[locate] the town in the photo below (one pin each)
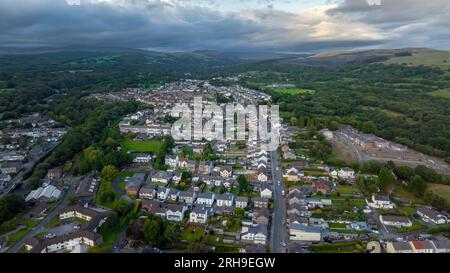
(216, 196)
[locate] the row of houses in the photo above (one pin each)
(428, 246)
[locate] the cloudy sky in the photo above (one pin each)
(262, 25)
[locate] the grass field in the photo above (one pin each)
(293, 91)
(443, 93)
(440, 190)
(192, 234)
(150, 146)
(439, 59)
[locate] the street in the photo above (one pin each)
(279, 237)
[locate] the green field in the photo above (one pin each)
(439, 59)
(292, 91)
(440, 190)
(442, 93)
(150, 146)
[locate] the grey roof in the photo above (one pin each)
(205, 195)
(304, 228)
(395, 218)
(429, 212)
(241, 199)
(403, 246)
(163, 175)
(442, 244)
(258, 229)
(200, 209)
(260, 199)
(381, 198)
(136, 180)
(225, 196)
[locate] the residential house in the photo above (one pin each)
(261, 216)
(188, 197)
(135, 184)
(299, 232)
(187, 164)
(324, 186)
(396, 221)
(142, 158)
(423, 246)
(175, 212)
(293, 174)
(261, 174)
(225, 200)
(173, 194)
(163, 193)
(171, 161)
(162, 177)
(55, 173)
(226, 171)
(256, 235)
(430, 215)
(241, 202)
(399, 247)
(199, 215)
(147, 192)
(205, 198)
(442, 246)
(380, 202)
(205, 167)
(176, 178)
(346, 173)
(10, 167)
(260, 202)
(265, 192)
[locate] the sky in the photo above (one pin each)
(227, 25)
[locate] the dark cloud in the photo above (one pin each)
(183, 25)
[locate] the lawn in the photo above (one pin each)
(440, 190)
(404, 194)
(415, 227)
(192, 234)
(343, 189)
(337, 226)
(439, 59)
(18, 235)
(442, 93)
(150, 146)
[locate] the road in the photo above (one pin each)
(40, 227)
(279, 235)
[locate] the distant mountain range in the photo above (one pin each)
(408, 56)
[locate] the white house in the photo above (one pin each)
(171, 161)
(163, 193)
(346, 173)
(380, 202)
(241, 202)
(266, 192)
(255, 235)
(225, 200)
(430, 215)
(299, 232)
(199, 215)
(205, 198)
(175, 212)
(396, 221)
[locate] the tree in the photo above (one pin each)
(108, 173)
(404, 172)
(417, 186)
(10, 205)
(243, 183)
(428, 174)
(152, 232)
(171, 232)
(386, 179)
(369, 127)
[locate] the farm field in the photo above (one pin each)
(439, 59)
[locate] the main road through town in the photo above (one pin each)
(279, 236)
